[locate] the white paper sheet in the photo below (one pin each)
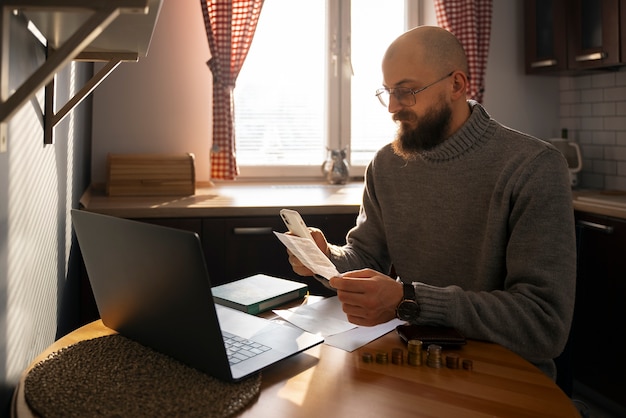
(327, 318)
(309, 254)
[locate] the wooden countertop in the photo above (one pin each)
(266, 199)
(233, 199)
(601, 202)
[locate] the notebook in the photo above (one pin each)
(151, 284)
(258, 293)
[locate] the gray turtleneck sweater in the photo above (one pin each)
(484, 226)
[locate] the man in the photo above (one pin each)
(475, 218)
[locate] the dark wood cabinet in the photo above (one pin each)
(545, 22)
(239, 247)
(622, 19)
(187, 224)
(594, 34)
(598, 334)
(572, 36)
(236, 247)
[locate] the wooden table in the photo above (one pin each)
(329, 382)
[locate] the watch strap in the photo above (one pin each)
(409, 291)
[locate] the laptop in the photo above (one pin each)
(151, 285)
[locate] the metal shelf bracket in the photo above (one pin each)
(104, 12)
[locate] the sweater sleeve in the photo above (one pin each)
(366, 245)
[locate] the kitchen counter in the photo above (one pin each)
(232, 199)
(601, 202)
(264, 198)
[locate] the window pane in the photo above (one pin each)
(279, 97)
(375, 24)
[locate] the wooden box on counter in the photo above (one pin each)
(151, 175)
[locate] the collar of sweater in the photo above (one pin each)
(471, 135)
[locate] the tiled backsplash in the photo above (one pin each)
(593, 110)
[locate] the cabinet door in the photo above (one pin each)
(546, 42)
(622, 20)
(240, 247)
(594, 34)
(187, 224)
(599, 336)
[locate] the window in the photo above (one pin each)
(308, 84)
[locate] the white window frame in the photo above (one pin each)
(338, 93)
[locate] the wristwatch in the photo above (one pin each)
(408, 309)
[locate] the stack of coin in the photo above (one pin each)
(434, 356)
(382, 357)
(468, 364)
(367, 357)
(415, 352)
(452, 360)
(397, 356)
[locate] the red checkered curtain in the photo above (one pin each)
(470, 22)
(230, 26)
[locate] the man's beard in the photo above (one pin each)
(430, 130)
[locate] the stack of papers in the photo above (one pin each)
(309, 254)
(327, 319)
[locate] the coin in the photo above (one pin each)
(452, 360)
(434, 356)
(397, 356)
(382, 358)
(414, 359)
(414, 346)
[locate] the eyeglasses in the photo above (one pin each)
(404, 95)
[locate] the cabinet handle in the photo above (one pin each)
(253, 230)
(544, 63)
(596, 56)
(607, 229)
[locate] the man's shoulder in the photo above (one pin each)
(521, 141)
(385, 154)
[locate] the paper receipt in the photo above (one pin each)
(309, 254)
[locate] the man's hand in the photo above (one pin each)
(368, 297)
(296, 264)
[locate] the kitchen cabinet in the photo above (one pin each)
(235, 222)
(545, 24)
(594, 34)
(597, 333)
(570, 37)
(237, 247)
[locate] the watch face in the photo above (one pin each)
(408, 310)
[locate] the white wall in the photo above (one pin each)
(525, 103)
(39, 184)
(163, 102)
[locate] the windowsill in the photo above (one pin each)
(291, 172)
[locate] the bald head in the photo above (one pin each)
(426, 57)
(429, 46)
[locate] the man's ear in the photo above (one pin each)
(460, 84)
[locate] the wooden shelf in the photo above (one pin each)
(112, 31)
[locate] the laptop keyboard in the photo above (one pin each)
(239, 349)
